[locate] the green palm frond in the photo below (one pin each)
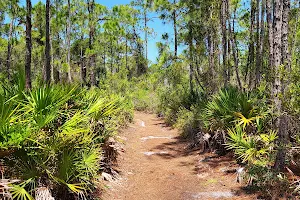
(243, 121)
(77, 124)
(44, 104)
(74, 187)
(251, 149)
(20, 193)
(66, 166)
(88, 163)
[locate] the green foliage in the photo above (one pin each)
(53, 137)
(187, 122)
(230, 106)
(252, 149)
(18, 192)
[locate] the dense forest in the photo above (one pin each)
(73, 72)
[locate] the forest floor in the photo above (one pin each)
(157, 165)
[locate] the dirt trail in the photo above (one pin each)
(157, 166)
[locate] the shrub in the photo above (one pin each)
(230, 106)
(54, 136)
(187, 122)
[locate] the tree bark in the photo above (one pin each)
(111, 56)
(47, 47)
(234, 50)
(277, 52)
(211, 50)
(191, 47)
(28, 46)
(269, 10)
(91, 7)
(9, 49)
(250, 61)
(146, 34)
(211, 60)
(260, 54)
(281, 12)
(224, 41)
(285, 33)
(126, 53)
(175, 30)
(69, 42)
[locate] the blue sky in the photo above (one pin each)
(156, 24)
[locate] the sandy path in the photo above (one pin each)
(156, 166)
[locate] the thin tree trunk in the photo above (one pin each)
(28, 45)
(69, 42)
(285, 33)
(126, 53)
(146, 35)
(261, 46)
(269, 10)
(91, 7)
(82, 65)
(224, 41)
(280, 28)
(104, 57)
(277, 52)
(250, 65)
(9, 49)
(56, 56)
(191, 57)
(211, 55)
(257, 68)
(293, 43)
(175, 30)
(227, 21)
(234, 50)
(47, 47)
(211, 49)
(52, 59)
(111, 56)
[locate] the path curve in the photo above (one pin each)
(157, 166)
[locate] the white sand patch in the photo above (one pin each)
(155, 137)
(141, 123)
(150, 153)
(216, 194)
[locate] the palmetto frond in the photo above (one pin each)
(244, 122)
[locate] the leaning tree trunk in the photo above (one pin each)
(28, 45)
(47, 47)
